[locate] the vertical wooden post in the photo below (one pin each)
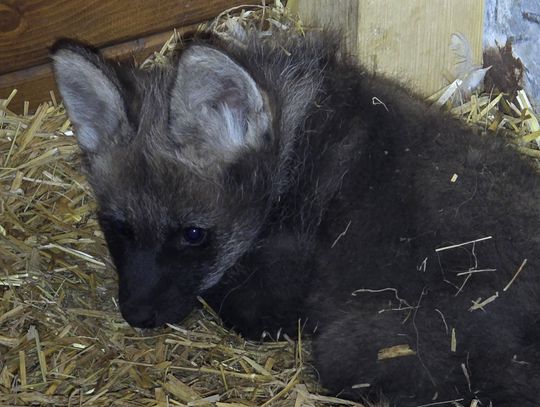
(339, 14)
(408, 40)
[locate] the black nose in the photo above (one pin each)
(140, 316)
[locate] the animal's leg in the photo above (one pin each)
(268, 294)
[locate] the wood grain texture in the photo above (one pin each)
(407, 40)
(410, 40)
(29, 27)
(35, 84)
(341, 15)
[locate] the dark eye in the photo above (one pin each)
(194, 235)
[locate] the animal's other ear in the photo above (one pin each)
(215, 94)
(90, 91)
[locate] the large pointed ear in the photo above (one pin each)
(90, 90)
(217, 96)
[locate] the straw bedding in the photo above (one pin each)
(62, 339)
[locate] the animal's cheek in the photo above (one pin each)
(210, 279)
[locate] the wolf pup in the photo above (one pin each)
(279, 181)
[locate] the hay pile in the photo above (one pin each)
(62, 339)
(511, 116)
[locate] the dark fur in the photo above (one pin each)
(329, 191)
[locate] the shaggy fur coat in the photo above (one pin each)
(282, 182)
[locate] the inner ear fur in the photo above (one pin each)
(90, 91)
(215, 93)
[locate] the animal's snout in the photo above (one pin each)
(151, 292)
(155, 306)
(140, 315)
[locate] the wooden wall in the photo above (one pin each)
(124, 28)
(408, 40)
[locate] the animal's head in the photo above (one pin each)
(178, 161)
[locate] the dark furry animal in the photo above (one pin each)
(280, 182)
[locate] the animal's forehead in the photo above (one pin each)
(163, 127)
(147, 95)
(137, 176)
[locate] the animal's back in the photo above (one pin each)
(421, 183)
(386, 186)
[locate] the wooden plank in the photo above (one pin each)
(408, 40)
(29, 27)
(341, 15)
(34, 84)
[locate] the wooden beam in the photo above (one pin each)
(29, 27)
(408, 40)
(341, 15)
(35, 84)
(121, 28)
